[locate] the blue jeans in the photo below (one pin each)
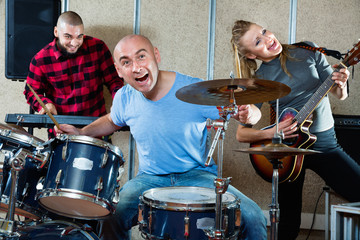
(253, 221)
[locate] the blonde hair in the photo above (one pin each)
(246, 68)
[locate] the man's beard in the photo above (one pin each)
(64, 52)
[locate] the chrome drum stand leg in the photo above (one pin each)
(221, 184)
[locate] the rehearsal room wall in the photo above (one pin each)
(180, 30)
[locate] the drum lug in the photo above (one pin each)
(58, 178)
(99, 187)
(25, 191)
(186, 226)
(104, 159)
(64, 151)
(140, 214)
(19, 160)
(41, 157)
(150, 220)
(238, 216)
(40, 183)
(116, 198)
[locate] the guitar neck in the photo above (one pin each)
(315, 99)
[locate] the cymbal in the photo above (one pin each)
(277, 151)
(246, 91)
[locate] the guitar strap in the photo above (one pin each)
(331, 53)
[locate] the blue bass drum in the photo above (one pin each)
(56, 230)
(82, 177)
(185, 212)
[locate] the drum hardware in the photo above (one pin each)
(37, 156)
(104, 159)
(58, 179)
(19, 120)
(221, 184)
(99, 187)
(150, 219)
(116, 197)
(64, 151)
(186, 225)
(17, 163)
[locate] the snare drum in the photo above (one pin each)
(185, 212)
(11, 140)
(81, 178)
(56, 230)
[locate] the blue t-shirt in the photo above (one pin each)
(170, 134)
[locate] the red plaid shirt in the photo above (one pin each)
(73, 84)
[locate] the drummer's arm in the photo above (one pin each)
(101, 127)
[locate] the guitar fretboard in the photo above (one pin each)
(315, 99)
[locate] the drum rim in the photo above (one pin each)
(16, 135)
(91, 141)
(74, 194)
(168, 205)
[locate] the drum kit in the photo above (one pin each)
(78, 177)
(71, 176)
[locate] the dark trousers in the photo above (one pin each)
(334, 166)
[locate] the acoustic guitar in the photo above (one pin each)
(292, 165)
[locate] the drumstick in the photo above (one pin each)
(43, 105)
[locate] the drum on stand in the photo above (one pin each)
(185, 212)
(13, 138)
(82, 177)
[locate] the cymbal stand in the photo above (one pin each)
(221, 184)
(17, 163)
(274, 211)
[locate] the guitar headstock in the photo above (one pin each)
(352, 57)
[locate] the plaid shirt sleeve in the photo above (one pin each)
(36, 79)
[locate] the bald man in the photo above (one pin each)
(68, 74)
